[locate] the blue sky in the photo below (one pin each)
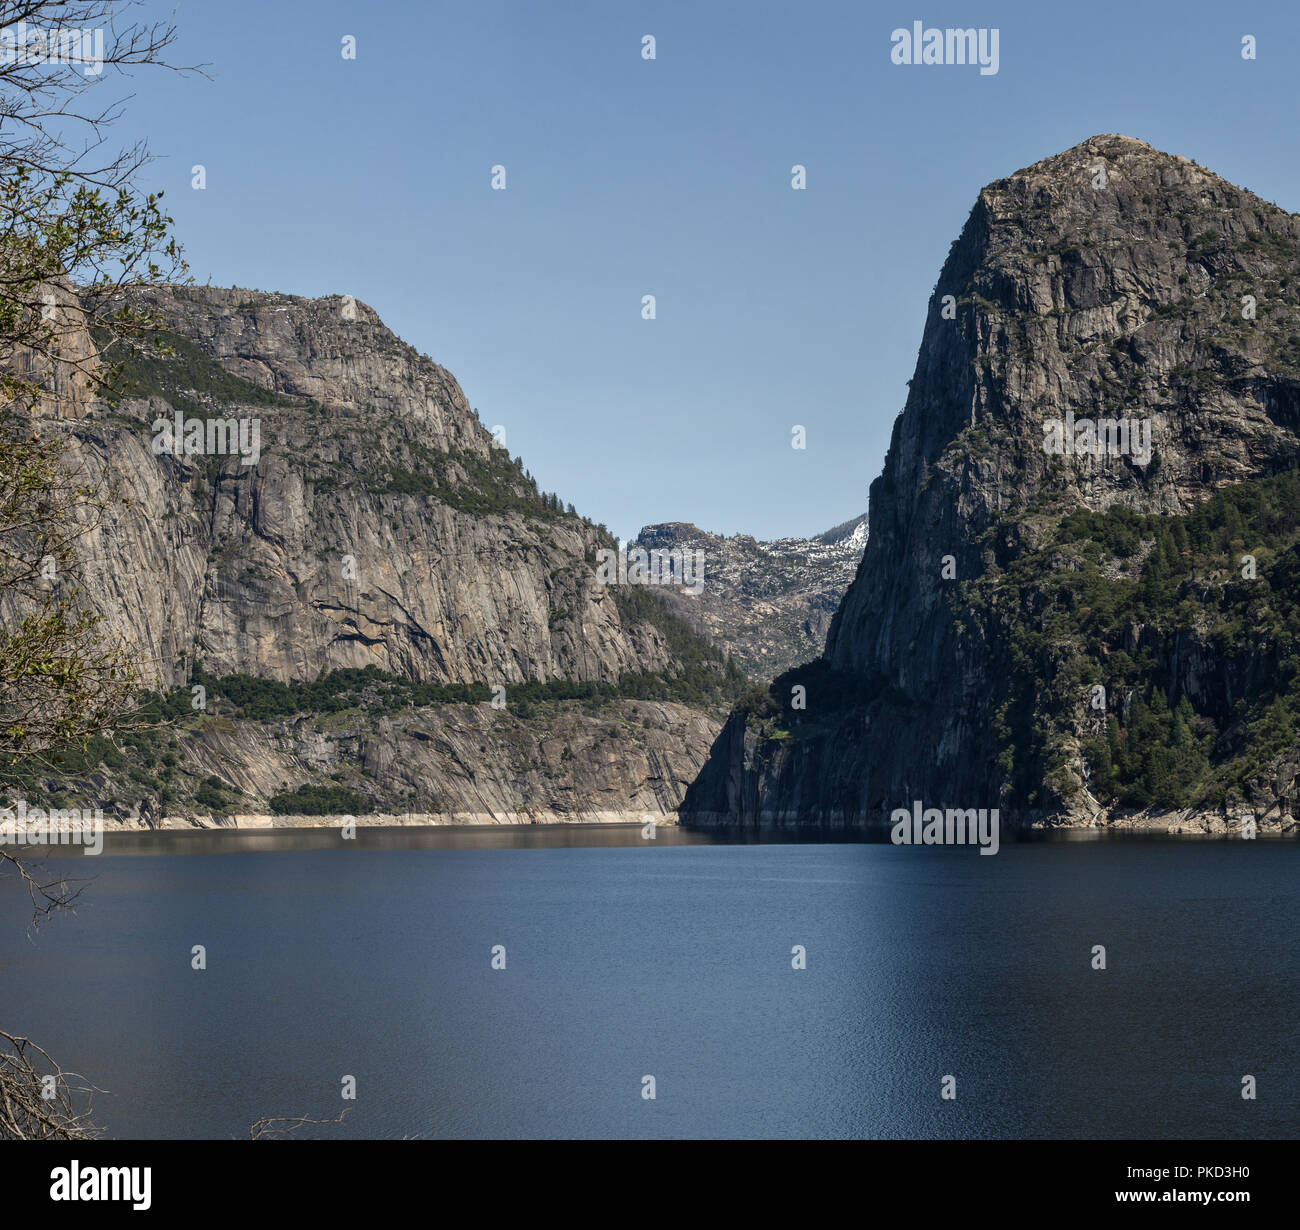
(670, 177)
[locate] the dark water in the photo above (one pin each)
(673, 959)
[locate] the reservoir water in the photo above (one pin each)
(627, 958)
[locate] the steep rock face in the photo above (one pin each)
(379, 526)
(770, 604)
(1111, 300)
(375, 525)
(466, 764)
(1109, 281)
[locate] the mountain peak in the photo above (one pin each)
(1125, 164)
(1111, 146)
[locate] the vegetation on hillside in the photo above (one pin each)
(250, 697)
(1122, 601)
(181, 373)
(1099, 641)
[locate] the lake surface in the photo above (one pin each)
(627, 958)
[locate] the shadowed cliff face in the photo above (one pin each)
(1111, 281)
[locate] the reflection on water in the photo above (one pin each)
(542, 837)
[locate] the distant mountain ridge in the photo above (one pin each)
(769, 604)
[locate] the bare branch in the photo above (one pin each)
(38, 1100)
(264, 1129)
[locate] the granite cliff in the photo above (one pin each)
(348, 597)
(1073, 632)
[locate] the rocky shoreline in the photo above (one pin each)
(1181, 823)
(246, 822)
(1184, 824)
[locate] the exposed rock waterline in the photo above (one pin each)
(385, 820)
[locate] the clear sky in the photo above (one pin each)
(671, 177)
